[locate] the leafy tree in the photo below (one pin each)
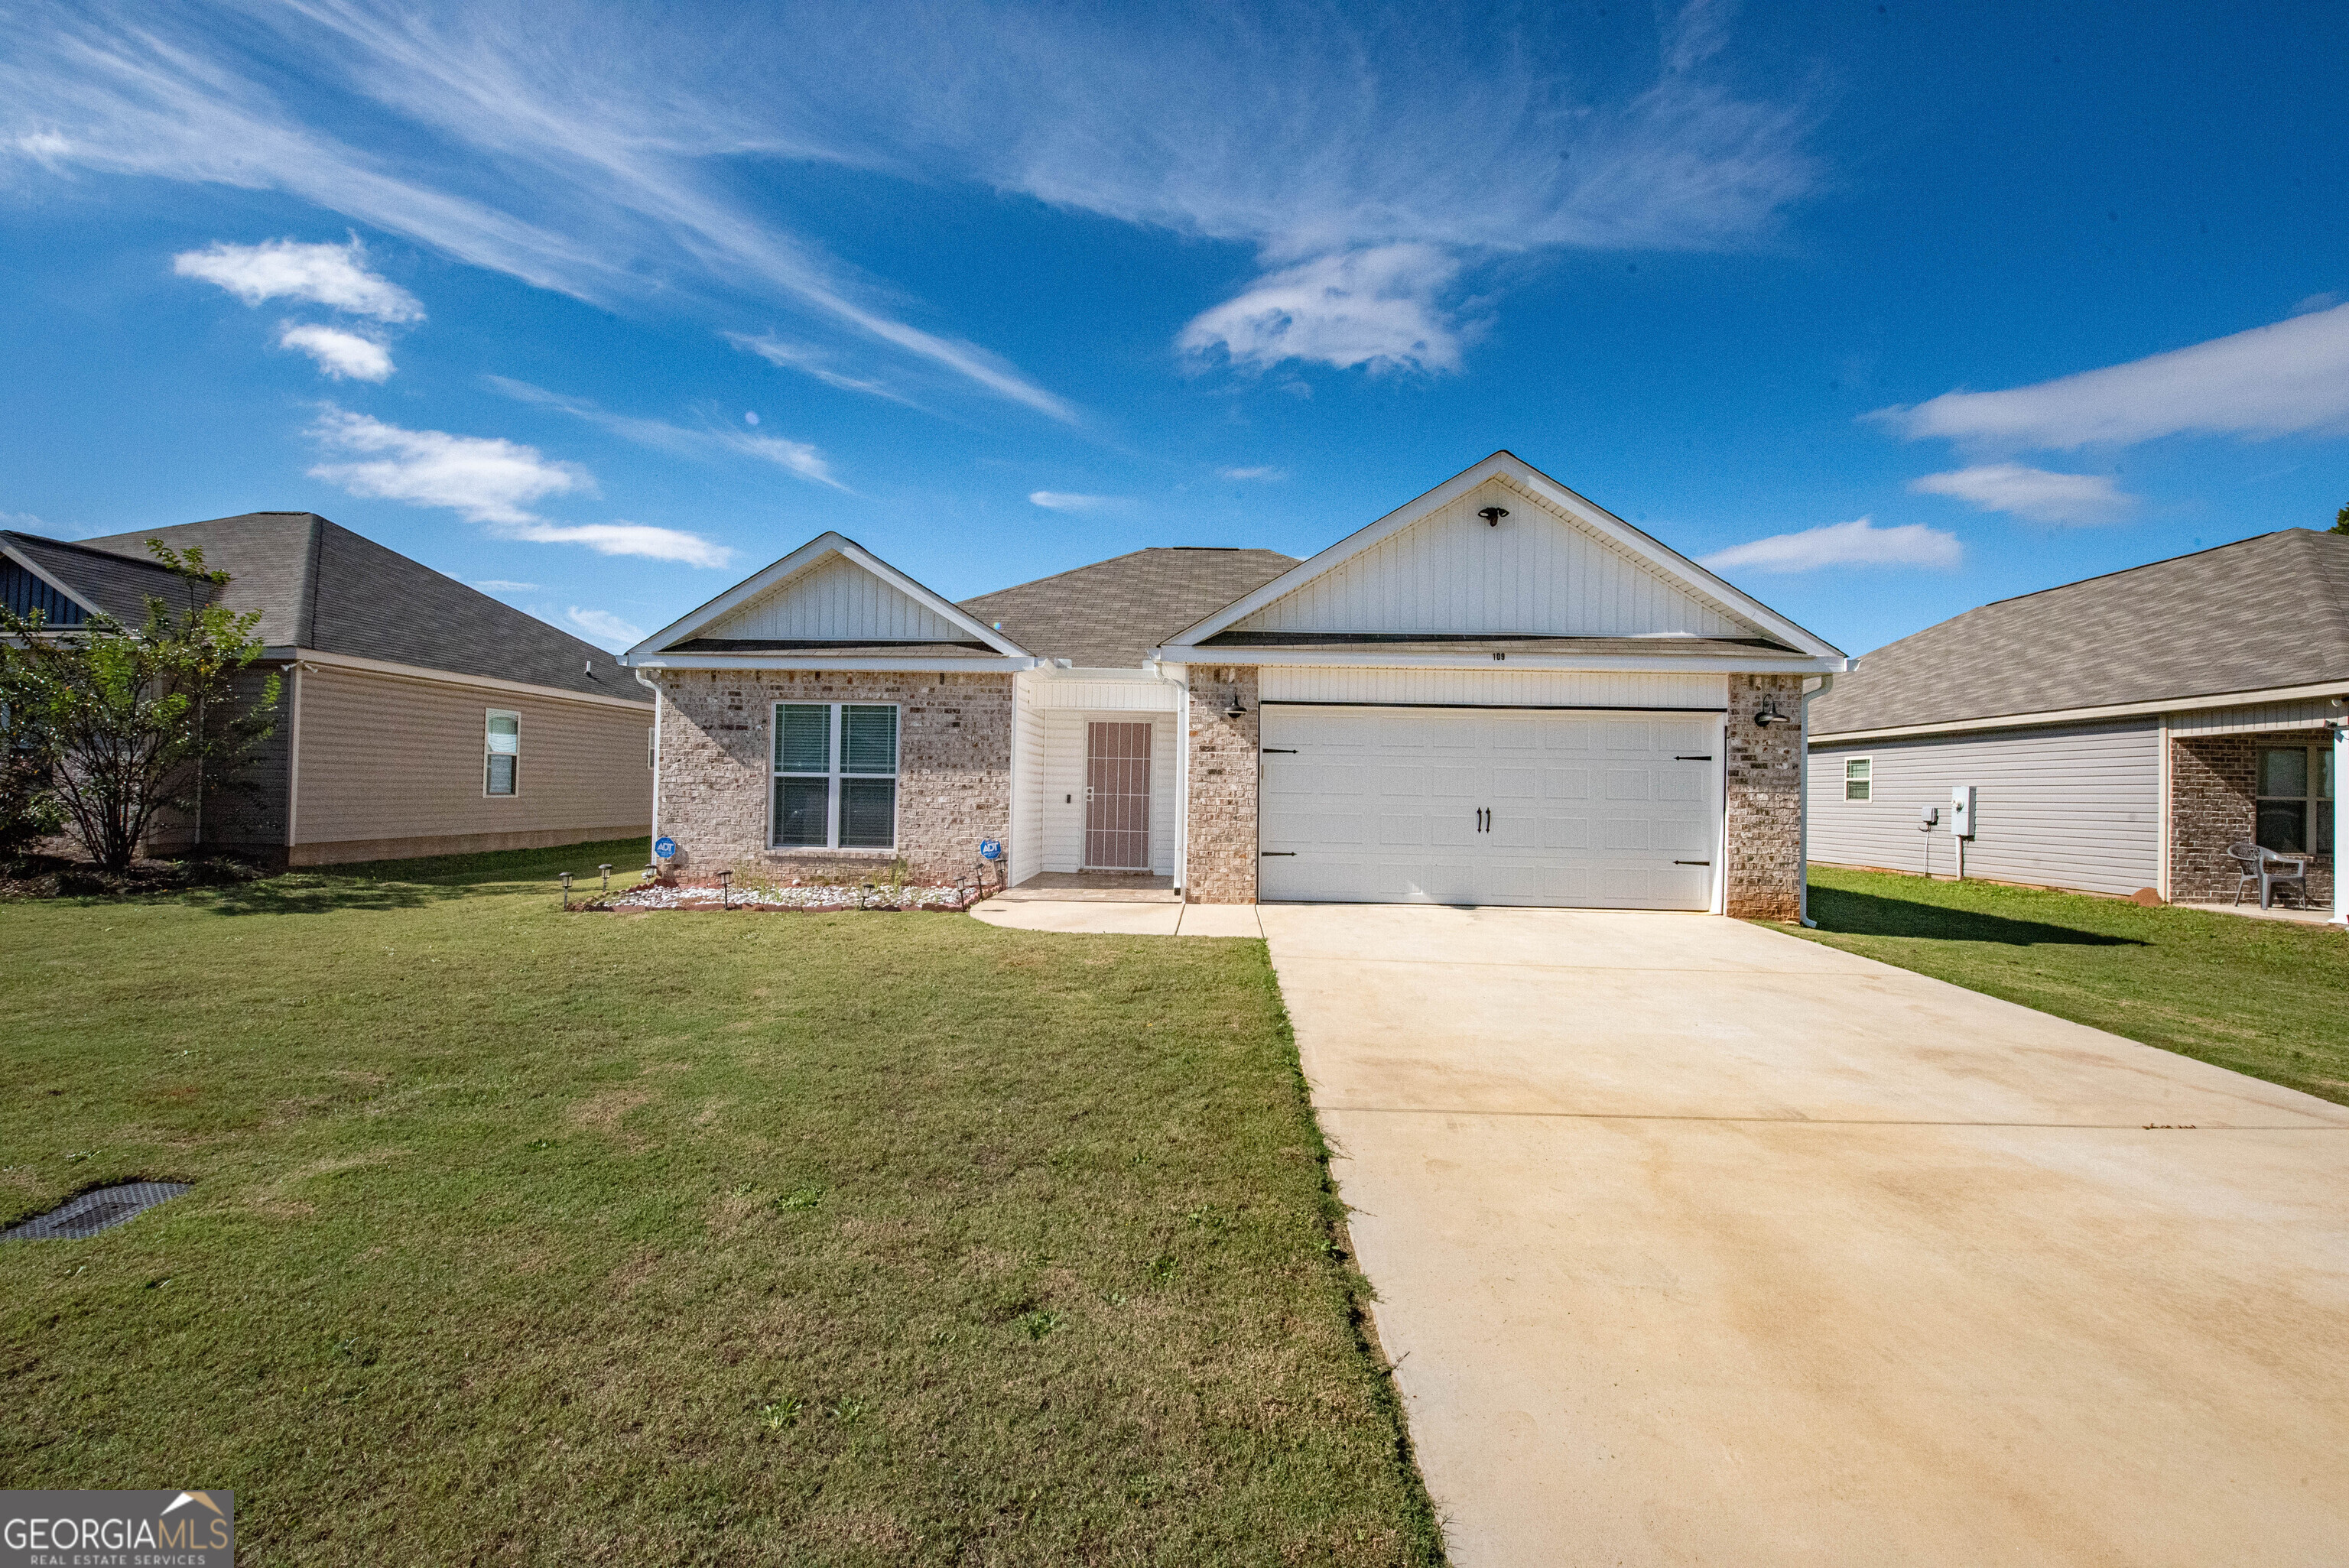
(123, 725)
(2340, 521)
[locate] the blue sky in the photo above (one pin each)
(1888, 310)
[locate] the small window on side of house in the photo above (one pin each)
(502, 753)
(2294, 799)
(1857, 777)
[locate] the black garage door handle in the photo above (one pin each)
(1286, 854)
(1280, 751)
(1692, 862)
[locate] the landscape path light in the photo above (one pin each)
(606, 872)
(566, 889)
(725, 886)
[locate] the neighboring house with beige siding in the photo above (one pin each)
(1499, 693)
(416, 716)
(2119, 734)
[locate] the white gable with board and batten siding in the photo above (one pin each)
(1556, 566)
(835, 600)
(1537, 572)
(830, 595)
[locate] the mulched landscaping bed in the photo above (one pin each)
(65, 876)
(811, 899)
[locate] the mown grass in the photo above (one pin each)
(680, 1238)
(2262, 997)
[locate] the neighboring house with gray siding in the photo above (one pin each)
(416, 716)
(2120, 733)
(1498, 693)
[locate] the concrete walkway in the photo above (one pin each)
(1699, 1243)
(1120, 918)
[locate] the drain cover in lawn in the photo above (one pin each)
(93, 1211)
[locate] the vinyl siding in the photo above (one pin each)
(1530, 688)
(837, 600)
(388, 758)
(2314, 714)
(2074, 807)
(1061, 779)
(251, 820)
(1026, 849)
(1538, 572)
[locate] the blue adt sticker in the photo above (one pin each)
(989, 850)
(665, 848)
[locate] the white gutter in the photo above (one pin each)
(656, 746)
(1803, 811)
(2340, 816)
(2261, 698)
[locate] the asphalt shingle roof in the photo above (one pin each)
(2267, 611)
(101, 580)
(320, 586)
(1109, 615)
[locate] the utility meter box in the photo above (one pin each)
(1961, 811)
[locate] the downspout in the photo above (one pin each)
(2340, 727)
(654, 687)
(1802, 809)
(1182, 779)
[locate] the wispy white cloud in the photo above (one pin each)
(600, 155)
(340, 354)
(1376, 307)
(483, 478)
(811, 361)
(1064, 501)
(2033, 493)
(604, 628)
(1265, 473)
(621, 539)
(336, 276)
(502, 586)
(2317, 301)
(2286, 378)
(794, 456)
(1859, 543)
(488, 479)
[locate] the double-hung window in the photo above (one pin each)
(502, 753)
(835, 776)
(2295, 799)
(1856, 779)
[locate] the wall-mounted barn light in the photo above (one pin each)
(1768, 716)
(1493, 515)
(1237, 709)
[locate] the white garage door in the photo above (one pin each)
(1607, 811)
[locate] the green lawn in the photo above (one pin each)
(2263, 998)
(680, 1238)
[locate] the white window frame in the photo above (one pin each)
(834, 777)
(1867, 762)
(489, 750)
(2316, 808)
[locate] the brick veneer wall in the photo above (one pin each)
(1224, 769)
(2213, 782)
(1763, 835)
(954, 768)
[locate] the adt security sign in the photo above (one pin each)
(989, 850)
(665, 848)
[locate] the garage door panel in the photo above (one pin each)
(1463, 807)
(1565, 783)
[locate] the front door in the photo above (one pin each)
(1117, 797)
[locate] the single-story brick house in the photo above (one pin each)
(1497, 694)
(416, 716)
(2119, 733)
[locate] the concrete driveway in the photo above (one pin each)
(1697, 1243)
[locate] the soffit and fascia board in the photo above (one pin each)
(1790, 664)
(313, 658)
(1515, 470)
(2043, 718)
(807, 556)
(772, 662)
